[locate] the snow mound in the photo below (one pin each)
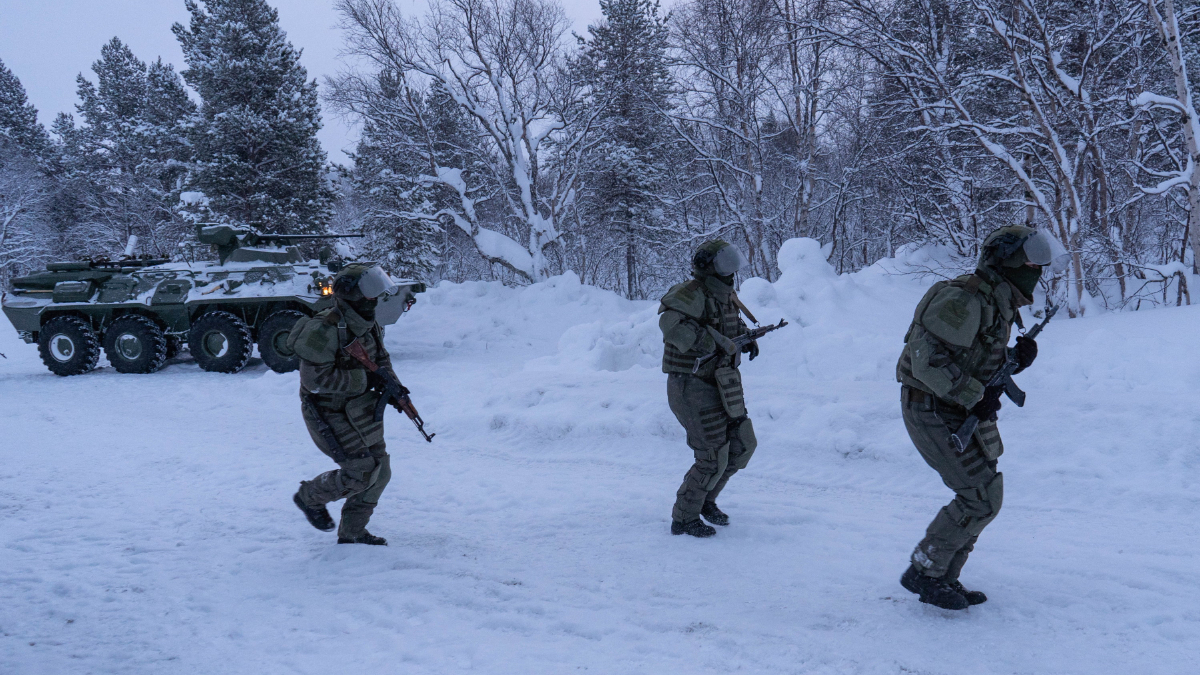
(534, 530)
(846, 326)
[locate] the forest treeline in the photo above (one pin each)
(496, 144)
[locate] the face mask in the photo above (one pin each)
(364, 307)
(1025, 278)
(727, 279)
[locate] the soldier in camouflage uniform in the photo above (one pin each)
(958, 339)
(338, 398)
(697, 317)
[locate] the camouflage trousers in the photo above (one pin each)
(347, 432)
(978, 487)
(722, 445)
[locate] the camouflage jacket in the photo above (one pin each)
(958, 336)
(687, 313)
(325, 369)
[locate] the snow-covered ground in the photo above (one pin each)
(146, 523)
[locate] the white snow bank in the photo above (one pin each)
(147, 525)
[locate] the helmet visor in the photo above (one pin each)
(728, 260)
(375, 283)
(1038, 250)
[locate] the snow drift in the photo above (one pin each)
(147, 523)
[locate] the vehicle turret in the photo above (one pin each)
(234, 244)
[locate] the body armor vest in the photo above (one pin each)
(720, 315)
(987, 351)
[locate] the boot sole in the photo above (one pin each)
(698, 536)
(300, 505)
(955, 609)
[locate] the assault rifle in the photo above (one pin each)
(394, 393)
(1002, 378)
(741, 341)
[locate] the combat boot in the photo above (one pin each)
(317, 517)
(973, 597)
(364, 538)
(696, 528)
(933, 590)
(714, 515)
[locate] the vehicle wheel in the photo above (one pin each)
(68, 346)
(220, 342)
(272, 340)
(135, 344)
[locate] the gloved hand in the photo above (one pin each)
(751, 349)
(374, 380)
(1026, 349)
(989, 405)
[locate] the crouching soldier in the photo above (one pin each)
(338, 399)
(697, 317)
(957, 341)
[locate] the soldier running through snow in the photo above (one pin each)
(697, 317)
(957, 341)
(338, 397)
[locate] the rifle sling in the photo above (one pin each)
(740, 305)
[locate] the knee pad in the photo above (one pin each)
(974, 508)
(382, 473)
(995, 493)
(742, 443)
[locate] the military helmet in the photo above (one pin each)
(1015, 245)
(718, 257)
(360, 280)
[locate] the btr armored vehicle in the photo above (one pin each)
(142, 311)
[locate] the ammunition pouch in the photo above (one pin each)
(729, 385)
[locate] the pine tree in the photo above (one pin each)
(624, 65)
(18, 118)
(257, 157)
(25, 189)
(121, 168)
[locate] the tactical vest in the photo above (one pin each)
(987, 351)
(721, 315)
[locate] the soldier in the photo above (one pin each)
(338, 397)
(958, 339)
(697, 317)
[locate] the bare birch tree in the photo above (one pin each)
(499, 60)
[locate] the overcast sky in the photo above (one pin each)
(46, 43)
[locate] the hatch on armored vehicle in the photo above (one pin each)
(142, 311)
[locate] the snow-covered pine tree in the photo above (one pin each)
(25, 191)
(18, 118)
(120, 169)
(257, 158)
(624, 66)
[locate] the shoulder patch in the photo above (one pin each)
(953, 316)
(314, 341)
(686, 298)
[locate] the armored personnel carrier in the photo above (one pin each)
(142, 311)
